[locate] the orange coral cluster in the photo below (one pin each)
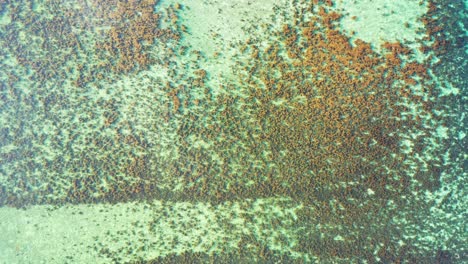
(350, 97)
(134, 27)
(346, 130)
(123, 32)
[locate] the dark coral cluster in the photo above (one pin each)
(90, 41)
(64, 59)
(134, 27)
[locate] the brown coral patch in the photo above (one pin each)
(346, 128)
(134, 27)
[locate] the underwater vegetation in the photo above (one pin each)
(354, 133)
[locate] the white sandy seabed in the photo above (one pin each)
(42, 234)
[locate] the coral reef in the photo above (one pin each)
(353, 134)
(59, 106)
(134, 27)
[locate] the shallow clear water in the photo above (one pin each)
(244, 132)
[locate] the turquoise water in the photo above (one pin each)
(244, 132)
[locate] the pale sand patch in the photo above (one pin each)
(217, 28)
(42, 234)
(378, 21)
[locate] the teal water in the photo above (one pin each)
(211, 131)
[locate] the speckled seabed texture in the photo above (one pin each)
(123, 150)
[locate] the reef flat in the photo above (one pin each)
(180, 132)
